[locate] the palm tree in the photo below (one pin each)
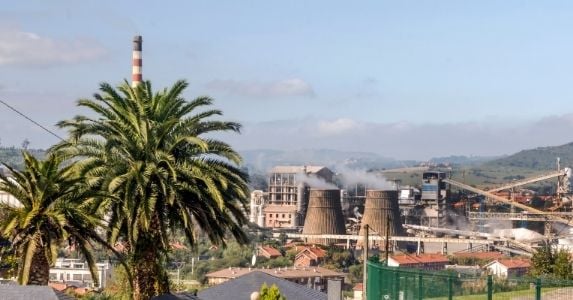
(152, 151)
(54, 207)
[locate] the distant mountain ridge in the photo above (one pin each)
(264, 159)
(463, 160)
(541, 158)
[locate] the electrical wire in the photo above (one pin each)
(31, 120)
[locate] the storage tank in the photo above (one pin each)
(380, 206)
(324, 215)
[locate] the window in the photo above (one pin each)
(77, 277)
(283, 216)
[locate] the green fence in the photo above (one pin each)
(392, 283)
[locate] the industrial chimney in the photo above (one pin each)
(324, 215)
(380, 206)
(136, 76)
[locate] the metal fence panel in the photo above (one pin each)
(393, 283)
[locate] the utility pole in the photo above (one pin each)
(365, 259)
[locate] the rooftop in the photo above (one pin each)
(406, 259)
(318, 252)
(11, 291)
(243, 286)
(271, 251)
(286, 272)
(513, 263)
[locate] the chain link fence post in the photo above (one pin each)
(489, 287)
(450, 287)
(420, 286)
(538, 289)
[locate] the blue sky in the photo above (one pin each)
(406, 79)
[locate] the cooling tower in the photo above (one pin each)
(380, 206)
(324, 215)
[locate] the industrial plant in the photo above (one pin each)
(313, 204)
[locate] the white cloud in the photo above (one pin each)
(338, 126)
(286, 87)
(29, 49)
(407, 140)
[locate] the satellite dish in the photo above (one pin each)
(254, 260)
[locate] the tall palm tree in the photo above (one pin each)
(152, 151)
(54, 207)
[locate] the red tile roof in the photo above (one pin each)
(515, 263)
(286, 272)
(58, 286)
(177, 246)
(358, 287)
(312, 253)
(405, 259)
(320, 253)
(271, 251)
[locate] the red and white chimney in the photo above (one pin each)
(136, 76)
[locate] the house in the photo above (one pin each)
(242, 287)
(425, 261)
(313, 277)
(511, 267)
(76, 272)
(268, 252)
(309, 256)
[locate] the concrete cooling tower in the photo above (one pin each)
(380, 206)
(324, 215)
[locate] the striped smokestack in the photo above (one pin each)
(136, 76)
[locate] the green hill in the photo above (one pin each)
(542, 158)
(12, 156)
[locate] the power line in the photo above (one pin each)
(31, 120)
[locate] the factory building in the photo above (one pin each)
(435, 193)
(288, 194)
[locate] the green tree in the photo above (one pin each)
(562, 267)
(355, 273)
(55, 207)
(152, 151)
(542, 261)
(270, 293)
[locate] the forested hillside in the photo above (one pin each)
(542, 158)
(12, 156)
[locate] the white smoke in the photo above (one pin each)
(370, 180)
(315, 182)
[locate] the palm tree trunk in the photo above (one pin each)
(149, 275)
(39, 269)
